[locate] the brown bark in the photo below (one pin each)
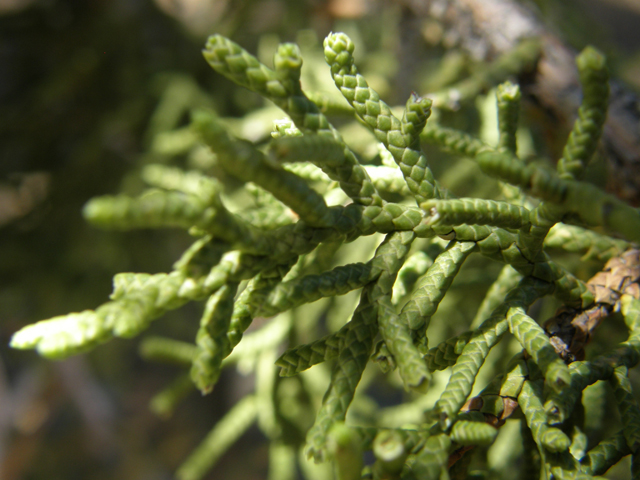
(570, 330)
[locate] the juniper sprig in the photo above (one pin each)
(272, 239)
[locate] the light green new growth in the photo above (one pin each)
(282, 234)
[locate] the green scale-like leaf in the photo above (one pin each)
(477, 348)
(628, 407)
(581, 144)
(416, 313)
(153, 209)
(137, 300)
(388, 180)
(248, 164)
(175, 179)
(399, 340)
(353, 353)
(591, 245)
(161, 349)
(508, 99)
(282, 247)
(446, 353)
(430, 462)
(282, 86)
(587, 129)
(357, 343)
(400, 137)
(601, 368)
(550, 438)
(501, 245)
(414, 267)
(606, 454)
(591, 204)
(307, 289)
(506, 281)
(316, 149)
(433, 285)
(537, 344)
(212, 341)
(586, 373)
(248, 304)
(302, 357)
(476, 211)
(468, 432)
(453, 141)
(520, 58)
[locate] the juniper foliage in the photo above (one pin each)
(311, 195)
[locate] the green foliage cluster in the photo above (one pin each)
(271, 230)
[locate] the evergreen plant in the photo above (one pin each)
(271, 240)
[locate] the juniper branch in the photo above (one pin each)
(283, 88)
(477, 348)
(355, 347)
(290, 223)
(400, 138)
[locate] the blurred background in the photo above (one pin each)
(85, 88)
